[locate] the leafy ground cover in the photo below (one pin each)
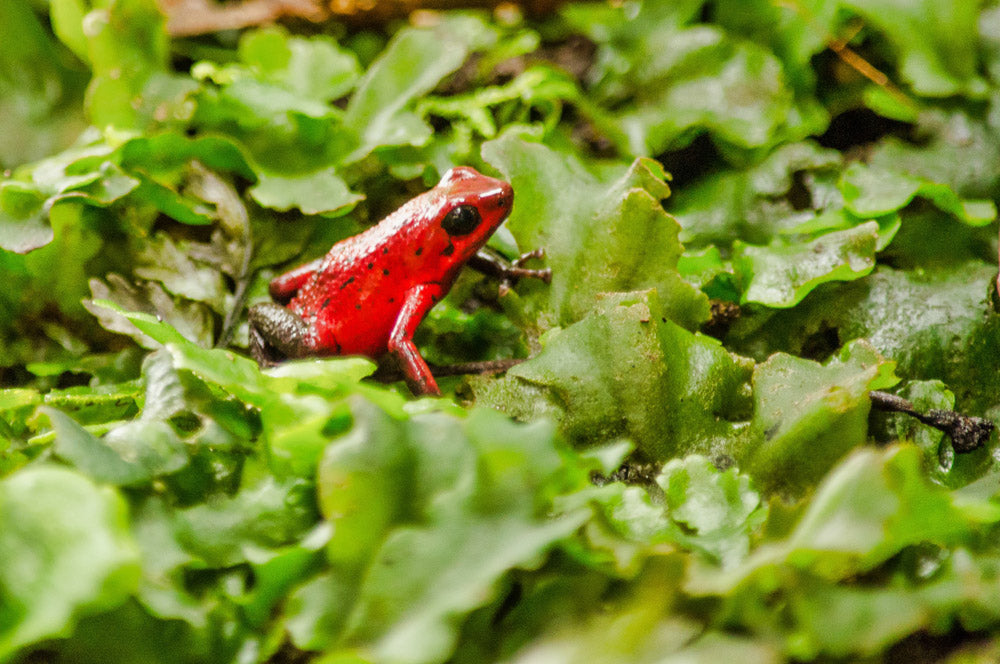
(755, 213)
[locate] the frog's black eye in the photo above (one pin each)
(461, 220)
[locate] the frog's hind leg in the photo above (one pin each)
(276, 334)
(284, 287)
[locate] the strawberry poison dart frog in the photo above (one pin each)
(369, 293)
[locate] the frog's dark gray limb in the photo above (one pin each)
(276, 333)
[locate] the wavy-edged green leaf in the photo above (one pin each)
(716, 511)
(809, 415)
(932, 323)
(698, 79)
(871, 505)
(935, 43)
(421, 539)
(600, 234)
(191, 319)
(23, 221)
(790, 186)
(316, 67)
(267, 515)
(381, 110)
(321, 192)
(65, 551)
(872, 192)
(626, 371)
(680, 80)
(783, 273)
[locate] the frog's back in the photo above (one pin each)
(353, 300)
(348, 305)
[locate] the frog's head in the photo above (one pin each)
(472, 207)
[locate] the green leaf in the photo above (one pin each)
(164, 261)
(697, 79)
(599, 235)
(680, 81)
(67, 23)
(126, 47)
(794, 33)
(22, 218)
(782, 274)
(717, 511)
(362, 481)
(638, 625)
(935, 44)
(380, 112)
(65, 551)
(428, 515)
(809, 415)
(96, 459)
(161, 588)
(954, 149)
(932, 323)
(224, 532)
(321, 192)
(113, 184)
(316, 68)
(791, 185)
(472, 532)
(871, 506)
(169, 151)
(41, 85)
(870, 192)
(190, 317)
(625, 371)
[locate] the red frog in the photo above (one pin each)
(369, 293)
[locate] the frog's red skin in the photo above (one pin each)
(370, 292)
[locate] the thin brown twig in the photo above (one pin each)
(839, 45)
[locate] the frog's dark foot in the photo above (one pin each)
(275, 334)
(264, 355)
(508, 273)
(517, 271)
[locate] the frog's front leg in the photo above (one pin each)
(276, 333)
(418, 302)
(496, 266)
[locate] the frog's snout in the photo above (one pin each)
(502, 198)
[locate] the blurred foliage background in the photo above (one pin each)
(756, 213)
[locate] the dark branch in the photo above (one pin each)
(967, 432)
(390, 374)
